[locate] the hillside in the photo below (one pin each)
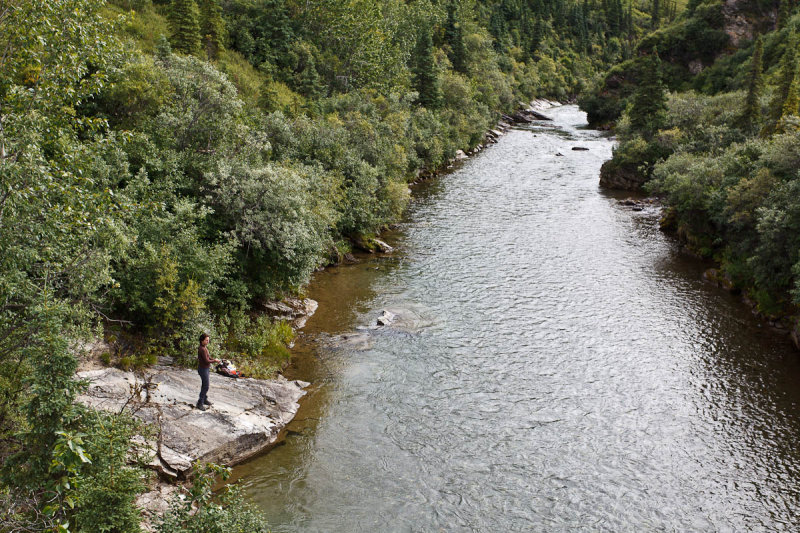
(713, 128)
(168, 167)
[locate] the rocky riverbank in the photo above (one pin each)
(525, 114)
(246, 418)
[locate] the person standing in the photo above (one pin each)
(204, 369)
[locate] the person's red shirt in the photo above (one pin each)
(203, 358)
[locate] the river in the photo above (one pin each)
(557, 364)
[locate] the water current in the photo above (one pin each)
(557, 364)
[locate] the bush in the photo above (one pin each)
(258, 347)
(204, 512)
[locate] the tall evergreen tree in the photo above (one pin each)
(538, 36)
(752, 108)
(649, 102)
(426, 79)
(212, 27)
(786, 77)
(656, 14)
(790, 105)
(498, 27)
(184, 23)
(784, 12)
(308, 80)
(455, 38)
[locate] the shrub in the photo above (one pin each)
(204, 512)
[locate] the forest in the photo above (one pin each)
(719, 146)
(166, 167)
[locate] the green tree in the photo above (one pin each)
(426, 78)
(212, 28)
(185, 26)
(204, 512)
(454, 35)
(655, 14)
(752, 108)
(784, 13)
(786, 76)
(790, 105)
(649, 101)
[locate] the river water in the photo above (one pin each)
(556, 365)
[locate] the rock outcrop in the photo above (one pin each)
(294, 310)
(620, 177)
(246, 418)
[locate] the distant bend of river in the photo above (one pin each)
(556, 365)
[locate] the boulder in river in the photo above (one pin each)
(386, 318)
(246, 418)
(371, 244)
(579, 149)
(623, 177)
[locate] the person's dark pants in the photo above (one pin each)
(204, 377)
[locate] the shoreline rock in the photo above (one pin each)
(246, 418)
(297, 311)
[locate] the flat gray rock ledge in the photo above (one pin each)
(246, 418)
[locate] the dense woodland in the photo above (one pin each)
(721, 145)
(168, 166)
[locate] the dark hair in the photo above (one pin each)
(203, 336)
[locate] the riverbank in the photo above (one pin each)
(246, 419)
(548, 341)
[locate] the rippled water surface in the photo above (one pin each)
(556, 365)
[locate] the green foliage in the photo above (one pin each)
(454, 35)
(212, 28)
(137, 92)
(280, 215)
(257, 346)
(184, 18)
(787, 75)
(752, 109)
(426, 78)
(648, 103)
(57, 214)
(204, 512)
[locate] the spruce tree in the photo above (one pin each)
(786, 77)
(185, 26)
(498, 28)
(309, 82)
(784, 12)
(426, 79)
(538, 36)
(752, 108)
(649, 101)
(455, 38)
(656, 14)
(790, 105)
(212, 28)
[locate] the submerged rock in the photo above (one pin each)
(386, 318)
(246, 418)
